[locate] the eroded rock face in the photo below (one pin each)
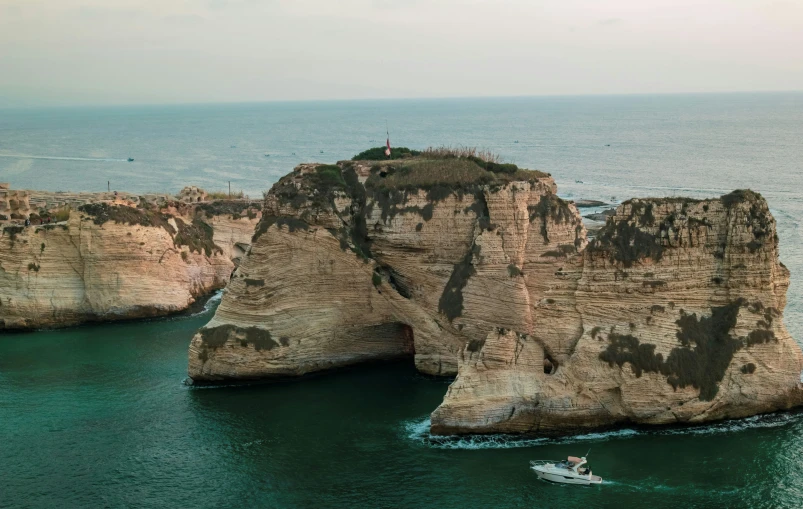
(673, 314)
(681, 309)
(419, 268)
(111, 262)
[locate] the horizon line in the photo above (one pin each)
(388, 99)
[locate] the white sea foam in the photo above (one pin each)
(210, 304)
(418, 430)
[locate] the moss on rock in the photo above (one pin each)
(706, 351)
(197, 236)
(104, 212)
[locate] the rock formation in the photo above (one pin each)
(192, 194)
(672, 314)
(110, 261)
(13, 204)
(681, 305)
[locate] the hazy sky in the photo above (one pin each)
(156, 51)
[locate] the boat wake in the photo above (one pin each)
(418, 430)
(59, 158)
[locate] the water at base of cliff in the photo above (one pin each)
(99, 416)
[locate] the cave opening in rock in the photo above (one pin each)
(550, 364)
(384, 341)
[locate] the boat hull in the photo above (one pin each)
(567, 479)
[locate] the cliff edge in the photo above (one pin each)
(475, 268)
(681, 303)
(112, 260)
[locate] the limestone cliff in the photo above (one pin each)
(674, 312)
(109, 261)
(681, 307)
(371, 261)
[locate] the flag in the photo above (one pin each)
(387, 150)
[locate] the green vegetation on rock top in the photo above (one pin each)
(456, 173)
(103, 212)
(740, 196)
(378, 154)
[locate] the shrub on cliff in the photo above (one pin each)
(224, 195)
(446, 152)
(740, 196)
(61, 214)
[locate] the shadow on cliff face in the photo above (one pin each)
(706, 350)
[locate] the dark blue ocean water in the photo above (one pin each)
(97, 416)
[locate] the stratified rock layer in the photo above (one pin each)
(673, 314)
(111, 262)
(681, 309)
(347, 272)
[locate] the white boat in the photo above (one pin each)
(568, 471)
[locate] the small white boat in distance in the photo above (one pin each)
(568, 471)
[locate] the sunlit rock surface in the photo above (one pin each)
(681, 307)
(672, 314)
(111, 261)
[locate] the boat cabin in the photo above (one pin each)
(574, 463)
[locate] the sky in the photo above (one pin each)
(76, 52)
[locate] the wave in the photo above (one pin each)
(210, 304)
(418, 430)
(60, 158)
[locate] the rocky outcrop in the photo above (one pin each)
(13, 204)
(672, 314)
(681, 308)
(110, 261)
(376, 261)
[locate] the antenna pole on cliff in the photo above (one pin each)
(108, 185)
(387, 131)
(229, 189)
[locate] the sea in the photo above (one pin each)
(100, 415)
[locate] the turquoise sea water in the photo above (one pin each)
(98, 416)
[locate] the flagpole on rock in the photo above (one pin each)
(387, 143)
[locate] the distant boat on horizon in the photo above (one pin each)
(130, 159)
